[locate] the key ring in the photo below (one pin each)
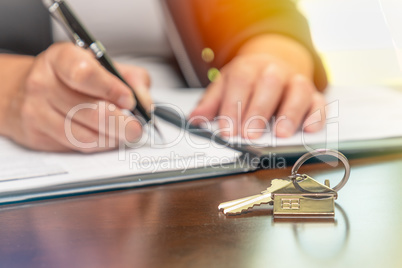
(320, 152)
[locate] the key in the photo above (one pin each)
(239, 205)
(234, 202)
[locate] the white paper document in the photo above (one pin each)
(21, 168)
(353, 114)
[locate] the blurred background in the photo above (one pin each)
(354, 41)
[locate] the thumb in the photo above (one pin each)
(210, 103)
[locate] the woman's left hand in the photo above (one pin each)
(253, 88)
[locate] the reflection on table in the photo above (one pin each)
(179, 225)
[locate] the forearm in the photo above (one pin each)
(13, 70)
(286, 49)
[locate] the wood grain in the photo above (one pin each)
(179, 225)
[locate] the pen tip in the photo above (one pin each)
(159, 133)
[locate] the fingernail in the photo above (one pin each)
(253, 135)
(255, 130)
(133, 131)
(126, 102)
(313, 123)
(313, 127)
(285, 128)
(227, 129)
(195, 121)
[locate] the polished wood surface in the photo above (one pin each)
(178, 225)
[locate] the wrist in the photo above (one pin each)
(13, 71)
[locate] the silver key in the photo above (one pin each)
(239, 205)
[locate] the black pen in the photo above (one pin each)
(60, 10)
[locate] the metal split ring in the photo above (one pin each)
(320, 152)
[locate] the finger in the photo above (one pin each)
(39, 141)
(138, 78)
(208, 107)
(71, 135)
(295, 104)
(316, 118)
(264, 101)
(44, 119)
(238, 86)
(81, 72)
(99, 116)
(137, 75)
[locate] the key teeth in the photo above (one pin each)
(244, 210)
(232, 203)
(230, 213)
(239, 206)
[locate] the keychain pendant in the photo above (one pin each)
(291, 202)
(297, 196)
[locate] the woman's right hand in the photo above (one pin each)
(65, 100)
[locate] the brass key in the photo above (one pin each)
(298, 196)
(239, 205)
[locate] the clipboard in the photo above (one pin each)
(250, 158)
(48, 186)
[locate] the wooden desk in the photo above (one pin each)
(178, 225)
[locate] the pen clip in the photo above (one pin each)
(55, 11)
(62, 13)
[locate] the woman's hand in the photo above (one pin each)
(270, 76)
(65, 100)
